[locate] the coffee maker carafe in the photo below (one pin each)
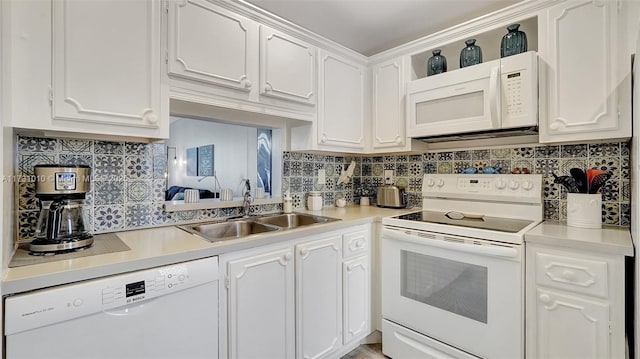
(61, 190)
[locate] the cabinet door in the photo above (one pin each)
(341, 102)
(106, 63)
(261, 306)
(318, 310)
(570, 326)
(287, 67)
(210, 44)
(389, 125)
(584, 69)
(356, 298)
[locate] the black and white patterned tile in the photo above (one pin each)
(138, 214)
(109, 192)
(547, 152)
(108, 168)
(76, 146)
(138, 191)
(138, 167)
(37, 144)
(75, 159)
(109, 218)
(109, 148)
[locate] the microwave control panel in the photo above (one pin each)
(513, 93)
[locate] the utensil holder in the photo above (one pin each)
(584, 210)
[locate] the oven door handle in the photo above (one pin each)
(485, 250)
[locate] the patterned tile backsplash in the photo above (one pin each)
(127, 190)
(129, 178)
(408, 169)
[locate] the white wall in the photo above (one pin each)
(634, 29)
(234, 153)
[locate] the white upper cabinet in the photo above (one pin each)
(287, 67)
(218, 56)
(210, 44)
(389, 125)
(107, 71)
(583, 65)
(102, 76)
(341, 112)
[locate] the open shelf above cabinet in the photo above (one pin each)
(489, 42)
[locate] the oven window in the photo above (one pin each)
(456, 287)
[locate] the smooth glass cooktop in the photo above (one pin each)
(454, 218)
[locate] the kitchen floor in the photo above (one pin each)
(366, 351)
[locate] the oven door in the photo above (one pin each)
(464, 292)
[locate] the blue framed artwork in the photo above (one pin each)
(200, 161)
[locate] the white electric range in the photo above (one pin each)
(453, 273)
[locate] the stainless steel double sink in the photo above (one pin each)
(243, 227)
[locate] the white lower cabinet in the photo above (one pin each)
(356, 275)
(571, 326)
(261, 305)
(303, 298)
(318, 297)
(575, 304)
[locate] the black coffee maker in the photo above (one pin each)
(61, 190)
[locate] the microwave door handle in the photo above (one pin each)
(494, 105)
(494, 251)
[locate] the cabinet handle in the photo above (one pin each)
(359, 244)
(268, 88)
(304, 251)
(247, 84)
(349, 267)
(545, 298)
(569, 274)
(286, 257)
(399, 140)
(323, 139)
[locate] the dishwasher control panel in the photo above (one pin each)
(147, 285)
(43, 307)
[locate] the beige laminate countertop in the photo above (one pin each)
(609, 239)
(160, 246)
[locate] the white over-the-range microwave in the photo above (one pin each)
(488, 97)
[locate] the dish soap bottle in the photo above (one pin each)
(287, 203)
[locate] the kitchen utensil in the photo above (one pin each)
(568, 182)
(592, 172)
(581, 179)
(598, 181)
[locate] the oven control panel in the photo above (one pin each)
(522, 188)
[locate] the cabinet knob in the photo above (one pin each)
(359, 243)
(545, 298)
(304, 251)
(349, 267)
(286, 257)
(399, 140)
(555, 125)
(150, 117)
(268, 88)
(323, 139)
(247, 84)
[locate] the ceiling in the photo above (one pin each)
(372, 26)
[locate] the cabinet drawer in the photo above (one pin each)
(355, 243)
(588, 276)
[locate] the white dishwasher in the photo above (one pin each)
(164, 312)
